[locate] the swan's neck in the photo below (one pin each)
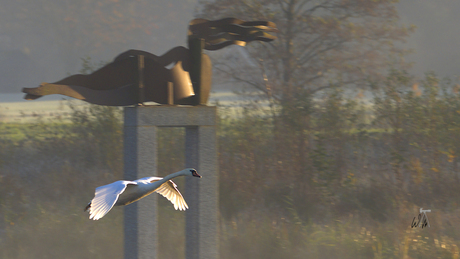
(174, 175)
(171, 176)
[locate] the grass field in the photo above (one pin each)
(19, 111)
(25, 111)
(362, 186)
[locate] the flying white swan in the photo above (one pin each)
(122, 193)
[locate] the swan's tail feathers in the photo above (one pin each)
(88, 206)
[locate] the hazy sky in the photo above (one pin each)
(45, 40)
(31, 56)
(437, 36)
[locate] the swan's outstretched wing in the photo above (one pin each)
(106, 196)
(169, 191)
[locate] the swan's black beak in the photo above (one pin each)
(194, 173)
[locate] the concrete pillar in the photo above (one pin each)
(140, 153)
(140, 219)
(201, 219)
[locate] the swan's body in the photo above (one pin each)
(122, 193)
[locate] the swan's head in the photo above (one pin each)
(192, 172)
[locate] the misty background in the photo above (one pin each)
(312, 167)
(44, 41)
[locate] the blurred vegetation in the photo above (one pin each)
(342, 177)
(315, 170)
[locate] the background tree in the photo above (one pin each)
(322, 44)
(323, 48)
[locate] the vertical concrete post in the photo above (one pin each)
(202, 219)
(201, 231)
(140, 160)
(191, 194)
